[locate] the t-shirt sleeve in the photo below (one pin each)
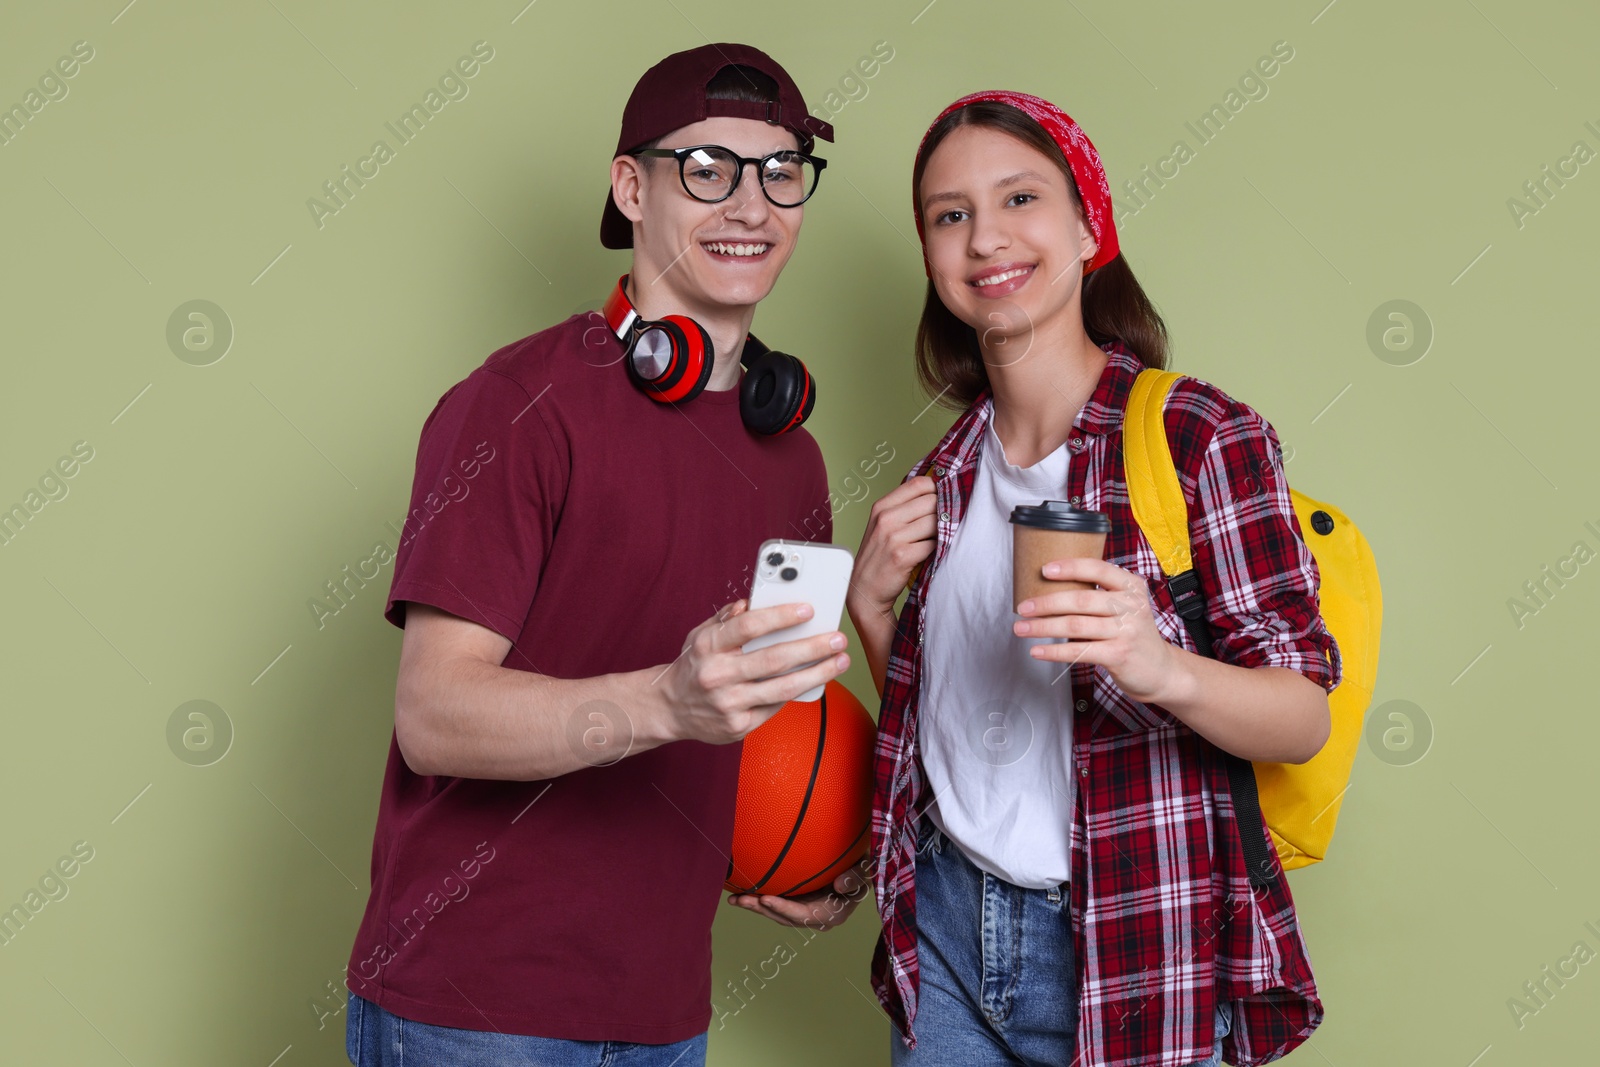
(1258, 575)
(821, 499)
(814, 517)
(490, 480)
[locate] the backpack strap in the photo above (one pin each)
(1156, 498)
(1153, 488)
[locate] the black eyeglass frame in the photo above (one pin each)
(682, 154)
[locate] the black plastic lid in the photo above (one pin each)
(1060, 515)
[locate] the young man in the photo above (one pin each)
(557, 810)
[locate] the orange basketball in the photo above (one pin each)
(805, 795)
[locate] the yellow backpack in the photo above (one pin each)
(1300, 801)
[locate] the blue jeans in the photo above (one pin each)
(374, 1037)
(999, 979)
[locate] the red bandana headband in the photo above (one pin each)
(1081, 156)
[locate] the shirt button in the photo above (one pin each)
(1077, 443)
(1083, 772)
(938, 472)
(1076, 501)
(1082, 705)
(944, 516)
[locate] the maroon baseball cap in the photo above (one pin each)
(672, 94)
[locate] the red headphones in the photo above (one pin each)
(671, 359)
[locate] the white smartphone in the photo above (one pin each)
(790, 572)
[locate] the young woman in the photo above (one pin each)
(1056, 862)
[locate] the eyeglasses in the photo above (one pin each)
(787, 178)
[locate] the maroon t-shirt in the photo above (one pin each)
(593, 527)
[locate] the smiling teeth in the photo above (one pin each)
(995, 279)
(726, 249)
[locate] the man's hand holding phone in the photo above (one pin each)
(717, 693)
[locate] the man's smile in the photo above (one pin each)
(737, 249)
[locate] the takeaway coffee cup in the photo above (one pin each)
(1050, 530)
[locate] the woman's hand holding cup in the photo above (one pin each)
(1102, 611)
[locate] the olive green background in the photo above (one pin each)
(214, 920)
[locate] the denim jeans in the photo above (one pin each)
(998, 977)
(375, 1037)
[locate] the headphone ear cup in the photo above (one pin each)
(651, 359)
(694, 357)
(669, 359)
(777, 394)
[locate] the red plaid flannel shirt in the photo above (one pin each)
(1165, 920)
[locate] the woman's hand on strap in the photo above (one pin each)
(899, 535)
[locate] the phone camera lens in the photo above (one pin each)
(774, 558)
(789, 574)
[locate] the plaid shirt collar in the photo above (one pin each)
(1100, 414)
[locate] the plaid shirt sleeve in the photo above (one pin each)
(1259, 577)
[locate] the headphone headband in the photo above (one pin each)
(618, 310)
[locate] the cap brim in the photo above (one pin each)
(615, 229)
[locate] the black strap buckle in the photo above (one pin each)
(1186, 596)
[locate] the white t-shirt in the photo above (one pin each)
(995, 724)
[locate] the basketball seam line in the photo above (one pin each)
(836, 859)
(805, 802)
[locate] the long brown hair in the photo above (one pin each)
(949, 362)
